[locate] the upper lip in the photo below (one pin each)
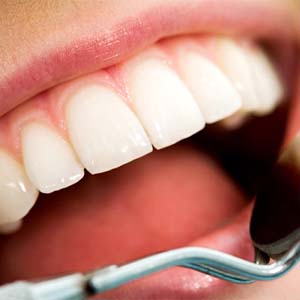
(92, 46)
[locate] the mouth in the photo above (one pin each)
(173, 122)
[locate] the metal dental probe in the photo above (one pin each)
(281, 244)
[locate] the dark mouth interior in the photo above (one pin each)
(246, 153)
(62, 228)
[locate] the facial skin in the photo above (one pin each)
(29, 29)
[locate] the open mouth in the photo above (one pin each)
(174, 137)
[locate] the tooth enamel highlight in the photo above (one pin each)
(215, 94)
(268, 86)
(49, 160)
(163, 103)
(235, 63)
(103, 130)
(17, 194)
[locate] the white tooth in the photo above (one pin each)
(10, 227)
(163, 103)
(234, 61)
(17, 194)
(103, 130)
(215, 94)
(49, 160)
(268, 86)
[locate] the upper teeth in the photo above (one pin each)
(54, 171)
(215, 94)
(162, 102)
(235, 62)
(104, 120)
(104, 132)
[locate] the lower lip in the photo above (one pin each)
(82, 236)
(179, 283)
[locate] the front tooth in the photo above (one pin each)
(162, 102)
(266, 80)
(49, 160)
(17, 194)
(215, 94)
(234, 61)
(103, 130)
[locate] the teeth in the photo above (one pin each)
(10, 227)
(49, 160)
(252, 74)
(234, 60)
(17, 194)
(215, 94)
(267, 83)
(163, 103)
(103, 130)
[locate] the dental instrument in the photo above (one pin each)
(282, 244)
(79, 286)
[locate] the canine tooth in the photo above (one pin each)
(103, 130)
(215, 94)
(266, 80)
(163, 103)
(235, 63)
(10, 227)
(49, 160)
(17, 194)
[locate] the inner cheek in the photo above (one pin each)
(294, 117)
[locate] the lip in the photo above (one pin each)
(179, 283)
(87, 45)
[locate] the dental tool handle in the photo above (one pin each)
(19, 290)
(69, 287)
(275, 222)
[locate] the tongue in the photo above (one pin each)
(165, 200)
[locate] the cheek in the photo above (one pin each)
(294, 118)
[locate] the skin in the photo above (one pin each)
(24, 27)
